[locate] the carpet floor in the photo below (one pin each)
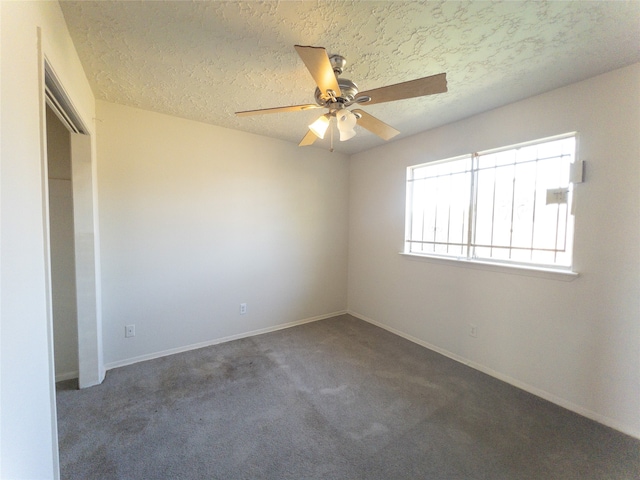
(333, 399)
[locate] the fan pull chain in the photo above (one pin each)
(331, 128)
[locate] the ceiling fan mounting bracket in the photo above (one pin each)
(338, 63)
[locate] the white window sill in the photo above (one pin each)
(530, 271)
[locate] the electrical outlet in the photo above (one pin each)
(243, 308)
(129, 331)
(473, 331)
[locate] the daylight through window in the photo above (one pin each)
(511, 205)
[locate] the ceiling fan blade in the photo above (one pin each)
(410, 89)
(319, 65)
(308, 139)
(292, 108)
(376, 126)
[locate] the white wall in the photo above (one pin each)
(576, 343)
(196, 219)
(61, 232)
(28, 447)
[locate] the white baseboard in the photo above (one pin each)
(216, 341)
(66, 376)
(609, 422)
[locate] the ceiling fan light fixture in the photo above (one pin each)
(347, 134)
(319, 127)
(346, 120)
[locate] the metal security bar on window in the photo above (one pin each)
(509, 205)
(439, 207)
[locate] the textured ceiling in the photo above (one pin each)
(206, 60)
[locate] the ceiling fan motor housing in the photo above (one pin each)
(348, 92)
(348, 89)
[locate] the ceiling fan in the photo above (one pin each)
(337, 94)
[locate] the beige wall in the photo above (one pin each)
(197, 219)
(576, 343)
(28, 442)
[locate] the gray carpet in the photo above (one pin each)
(334, 399)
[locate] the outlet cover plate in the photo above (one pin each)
(129, 331)
(473, 330)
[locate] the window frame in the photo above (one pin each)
(556, 271)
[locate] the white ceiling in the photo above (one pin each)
(206, 60)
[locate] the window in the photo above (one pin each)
(510, 205)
